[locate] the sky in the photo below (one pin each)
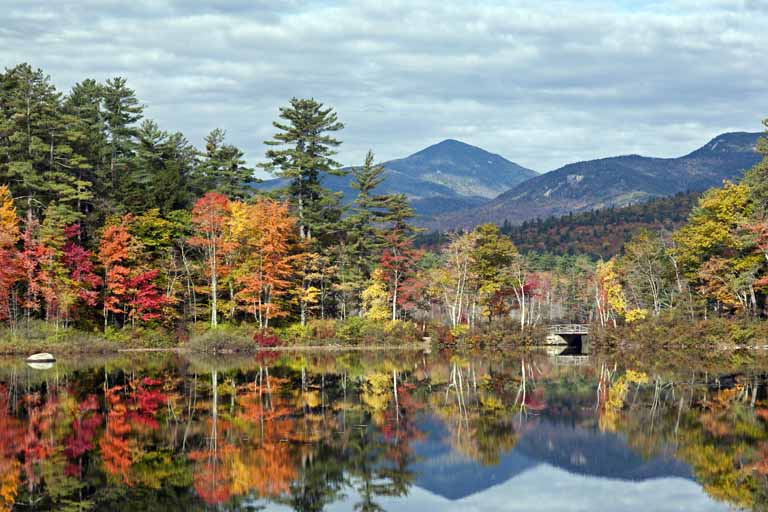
(549, 489)
(540, 83)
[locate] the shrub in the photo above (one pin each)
(401, 331)
(266, 339)
(295, 332)
(323, 329)
(372, 331)
(351, 329)
(460, 331)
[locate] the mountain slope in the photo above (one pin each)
(444, 177)
(467, 170)
(615, 181)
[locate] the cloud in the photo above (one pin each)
(542, 83)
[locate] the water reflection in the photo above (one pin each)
(387, 431)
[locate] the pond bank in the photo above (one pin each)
(289, 348)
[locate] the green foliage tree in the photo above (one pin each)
(122, 111)
(302, 151)
(223, 168)
(37, 158)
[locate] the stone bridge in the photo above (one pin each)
(566, 334)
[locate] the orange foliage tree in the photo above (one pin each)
(114, 445)
(114, 253)
(210, 217)
(129, 286)
(262, 231)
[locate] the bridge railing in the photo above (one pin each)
(568, 329)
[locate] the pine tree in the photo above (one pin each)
(398, 213)
(122, 111)
(37, 157)
(223, 168)
(161, 171)
(84, 106)
(363, 244)
(368, 210)
(303, 154)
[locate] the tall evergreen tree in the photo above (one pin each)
(84, 106)
(37, 158)
(368, 210)
(160, 172)
(122, 111)
(303, 153)
(223, 168)
(397, 214)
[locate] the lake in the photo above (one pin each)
(484, 430)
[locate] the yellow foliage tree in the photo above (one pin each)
(376, 298)
(609, 296)
(9, 236)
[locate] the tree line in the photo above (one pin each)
(106, 218)
(716, 263)
(107, 221)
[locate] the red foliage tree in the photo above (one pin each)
(31, 259)
(84, 428)
(79, 262)
(144, 300)
(398, 261)
(129, 288)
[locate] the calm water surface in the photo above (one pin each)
(376, 431)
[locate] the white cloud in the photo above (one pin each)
(542, 83)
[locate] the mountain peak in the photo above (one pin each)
(730, 142)
(467, 170)
(451, 146)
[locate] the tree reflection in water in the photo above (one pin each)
(306, 431)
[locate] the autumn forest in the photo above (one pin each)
(110, 224)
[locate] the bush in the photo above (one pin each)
(351, 329)
(294, 332)
(266, 339)
(372, 331)
(460, 331)
(322, 329)
(401, 331)
(224, 338)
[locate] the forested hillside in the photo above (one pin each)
(601, 233)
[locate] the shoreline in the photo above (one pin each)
(285, 348)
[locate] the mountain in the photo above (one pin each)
(443, 471)
(444, 177)
(466, 170)
(614, 181)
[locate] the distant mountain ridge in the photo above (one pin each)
(443, 177)
(577, 450)
(613, 181)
